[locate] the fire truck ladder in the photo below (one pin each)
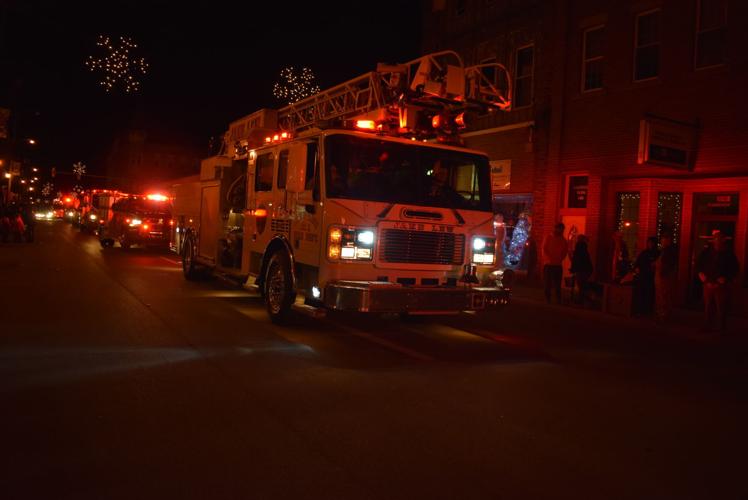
(434, 82)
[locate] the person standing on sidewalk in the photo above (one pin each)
(644, 283)
(717, 266)
(666, 277)
(555, 250)
(581, 267)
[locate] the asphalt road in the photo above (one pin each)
(119, 379)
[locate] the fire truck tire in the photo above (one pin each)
(189, 268)
(279, 294)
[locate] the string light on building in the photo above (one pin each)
(669, 209)
(117, 67)
(294, 86)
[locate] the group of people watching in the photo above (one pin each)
(653, 274)
(16, 223)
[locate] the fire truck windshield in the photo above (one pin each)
(388, 171)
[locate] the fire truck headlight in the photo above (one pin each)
(92, 216)
(479, 244)
(365, 238)
(350, 244)
(135, 222)
(483, 250)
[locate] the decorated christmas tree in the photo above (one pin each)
(513, 255)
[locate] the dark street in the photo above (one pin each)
(120, 379)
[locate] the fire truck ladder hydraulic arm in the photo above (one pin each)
(436, 83)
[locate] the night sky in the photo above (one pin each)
(208, 65)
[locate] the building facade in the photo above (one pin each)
(638, 118)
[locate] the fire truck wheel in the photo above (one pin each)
(278, 287)
(188, 261)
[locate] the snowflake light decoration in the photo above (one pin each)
(117, 67)
(79, 169)
(295, 86)
(47, 189)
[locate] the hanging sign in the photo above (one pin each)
(501, 172)
(666, 143)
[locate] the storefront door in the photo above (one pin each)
(711, 212)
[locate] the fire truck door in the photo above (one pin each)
(303, 202)
(259, 201)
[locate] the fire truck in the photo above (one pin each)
(358, 198)
(97, 209)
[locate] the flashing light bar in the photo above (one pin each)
(366, 124)
(157, 197)
(281, 136)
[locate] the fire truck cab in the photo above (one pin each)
(359, 213)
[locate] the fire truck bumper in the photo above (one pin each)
(377, 296)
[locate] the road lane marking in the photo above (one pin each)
(383, 342)
(175, 262)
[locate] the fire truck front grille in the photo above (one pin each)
(422, 247)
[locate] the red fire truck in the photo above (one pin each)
(357, 198)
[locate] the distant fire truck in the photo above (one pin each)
(357, 198)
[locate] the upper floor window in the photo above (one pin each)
(647, 45)
(461, 6)
(711, 33)
(523, 73)
(592, 58)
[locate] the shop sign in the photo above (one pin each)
(666, 143)
(501, 172)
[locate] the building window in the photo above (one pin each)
(576, 196)
(711, 33)
(523, 72)
(460, 8)
(647, 46)
(592, 59)
(669, 208)
(627, 221)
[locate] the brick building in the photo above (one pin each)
(637, 113)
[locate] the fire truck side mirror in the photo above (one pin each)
(296, 168)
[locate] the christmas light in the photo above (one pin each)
(117, 67)
(294, 87)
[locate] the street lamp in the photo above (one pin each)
(32, 141)
(9, 176)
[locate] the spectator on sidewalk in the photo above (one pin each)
(581, 267)
(666, 277)
(644, 283)
(555, 250)
(717, 267)
(620, 264)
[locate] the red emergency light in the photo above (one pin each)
(157, 197)
(366, 124)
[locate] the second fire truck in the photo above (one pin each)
(358, 198)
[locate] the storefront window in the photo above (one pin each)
(628, 220)
(577, 194)
(513, 225)
(669, 208)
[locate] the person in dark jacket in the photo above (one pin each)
(644, 283)
(666, 277)
(581, 267)
(717, 267)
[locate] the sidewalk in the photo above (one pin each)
(685, 323)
